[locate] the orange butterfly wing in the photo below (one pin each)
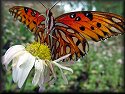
(74, 28)
(66, 42)
(93, 25)
(30, 17)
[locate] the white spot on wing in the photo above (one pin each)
(34, 12)
(67, 49)
(19, 12)
(70, 30)
(15, 10)
(61, 50)
(74, 56)
(57, 44)
(61, 24)
(57, 55)
(13, 14)
(116, 20)
(75, 39)
(64, 36)
(80, 47)
(115, 29)
(19, 18)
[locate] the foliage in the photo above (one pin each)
(101, 70)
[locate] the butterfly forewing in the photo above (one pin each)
(31, 18)
(93, 25)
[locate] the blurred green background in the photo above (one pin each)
(101, 70)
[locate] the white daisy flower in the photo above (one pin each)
(37, 55)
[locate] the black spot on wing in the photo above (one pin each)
(98, 24)
(73, 15)
(24, 16)
(92, 27)
(88, 15)
(77, 18)
(26, 9)
(24, 22)
(34, 22)
(82, 28)
(33, 13)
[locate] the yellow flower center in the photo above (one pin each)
(39, 50)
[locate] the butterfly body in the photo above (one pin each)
(68, 33)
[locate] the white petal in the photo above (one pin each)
(15, 70)
(39, 65)
(36, 77)
(6, 59)
(61, 58)
(39, 72)
(63, 67)
(63, 76)
(54, 75)
(15, 74)
(47, 76)
(23, 58)
(41, 79)
(41, 89)
(17, 61)
(52, 70)
(14, 49)
(24, 69)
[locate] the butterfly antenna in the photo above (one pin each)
(43, 4)
(55, 4)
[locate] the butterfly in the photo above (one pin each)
(69, 33)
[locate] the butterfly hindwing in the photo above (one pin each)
(66, 41)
